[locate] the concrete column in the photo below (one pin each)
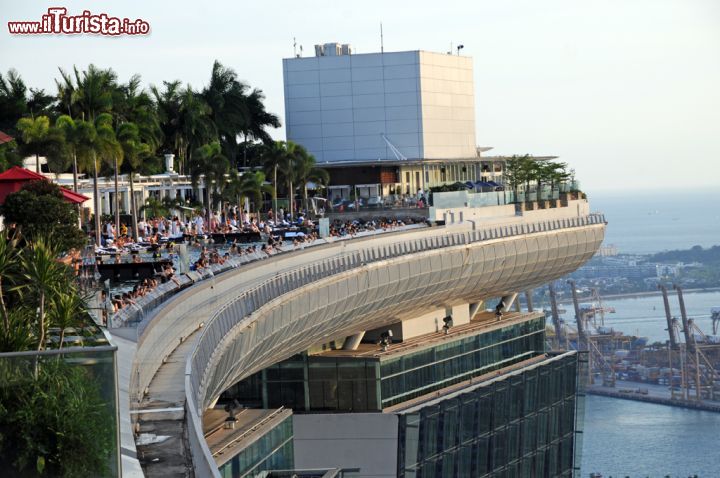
(126, 200)
(528, 299)
(353, 341)
(105, 208)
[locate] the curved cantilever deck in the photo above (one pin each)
(278, 308)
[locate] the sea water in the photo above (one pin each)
(628, 438)
(636, 439)
(642, 222)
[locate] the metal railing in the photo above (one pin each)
(236, 311)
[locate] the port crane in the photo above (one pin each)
(693, 361)
(560, 337)
(586, 341)
(715, 317)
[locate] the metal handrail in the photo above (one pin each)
(251, 430)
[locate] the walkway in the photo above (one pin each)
(161, 417)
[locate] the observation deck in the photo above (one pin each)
(220, 331)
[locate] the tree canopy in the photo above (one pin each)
(39, 210)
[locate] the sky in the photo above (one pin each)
(625, 91)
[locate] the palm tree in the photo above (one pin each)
(138, 131)
(225, 96)
(110, 150)
(184, 119)
(57, 152)
(86, 153)
(155, 207)
(273, 156)
(250, 184)
(128, 135)
(259, 118)
(66, 93)
(13, 101)
(34, 133)
(93, 92)
(208, 161)
(306, 170)
(39, 102)
(73, 138)
(87, 95)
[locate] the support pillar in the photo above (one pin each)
(353, 341)
(528, 300)
(474, 308)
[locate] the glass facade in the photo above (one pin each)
(412, 375)
(272, 451)
(520, 425)
(366, 384)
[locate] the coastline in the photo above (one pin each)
(692, 405)
(632, 295)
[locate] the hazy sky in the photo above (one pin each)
(626, 91)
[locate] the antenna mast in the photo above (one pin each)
(382, 46)
(295, 48)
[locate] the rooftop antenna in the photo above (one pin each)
(451, 49)
(301, 51)
(382, 46)
(295, 48)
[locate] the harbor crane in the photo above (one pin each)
(596, 360)
(715, 316)
(559, 335)
(694, 364)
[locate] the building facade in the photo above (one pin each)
(386, 124)
(482, 400)
(381, 106)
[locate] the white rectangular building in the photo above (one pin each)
(413, 105)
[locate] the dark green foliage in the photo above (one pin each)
(40, 210)
(9, 156)
(55, 425)
(695, 254)
(448, 187)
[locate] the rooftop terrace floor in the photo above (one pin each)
(482, 322)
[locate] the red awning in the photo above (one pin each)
(5, 138)
(16, 173)
(13, 179)
(73, 197)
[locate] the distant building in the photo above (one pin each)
(386, 124)
(608, 250)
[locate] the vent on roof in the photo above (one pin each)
(333, 49)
